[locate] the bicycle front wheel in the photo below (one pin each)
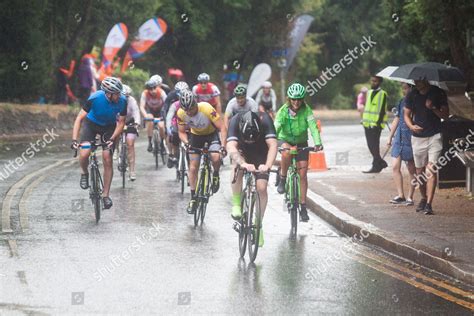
(95, 193)
(294, 205)
(156, 147)
(182, 172)
(254, 224)
(123, 161)
(243, 225)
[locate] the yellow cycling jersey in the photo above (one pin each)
(203, 122)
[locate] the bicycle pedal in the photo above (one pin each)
(236, 226)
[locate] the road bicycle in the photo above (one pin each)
(250, 224)
(158, 146)
(293, 185)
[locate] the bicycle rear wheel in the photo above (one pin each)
(254, 225)
(243, 225)
(95, 194)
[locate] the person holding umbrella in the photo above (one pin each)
(374, 119)
(425, 107)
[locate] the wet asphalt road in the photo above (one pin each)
(146, 256)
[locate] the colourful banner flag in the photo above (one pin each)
(261, 73)
(114, 42)
(296, 36)
(148, 34)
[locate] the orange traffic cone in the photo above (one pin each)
(317, 161)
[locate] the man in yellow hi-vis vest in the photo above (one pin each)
(374, 120)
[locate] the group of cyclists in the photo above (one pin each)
(249, 130)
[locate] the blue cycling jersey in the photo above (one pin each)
(102, 111)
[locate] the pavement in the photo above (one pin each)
(358, 204)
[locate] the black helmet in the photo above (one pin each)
(249, 126)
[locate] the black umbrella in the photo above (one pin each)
(428, 71)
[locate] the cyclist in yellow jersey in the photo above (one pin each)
(205, 123)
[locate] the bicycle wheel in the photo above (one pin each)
(182, 171)
(156, 148)
(243, 225)
(95, 193)
(294, 205)
(199, 195)
(163, 152)
(254, 224)
(123, 158)
(205, 193)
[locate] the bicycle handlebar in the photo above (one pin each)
(93, 145)
(281, 149)
(154, 120)
(238, 168)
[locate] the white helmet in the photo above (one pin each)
(111, 85)
(186, 99)
(157, 78)
(181, 85)
(127, 91)
(267, 84)
(204, 77)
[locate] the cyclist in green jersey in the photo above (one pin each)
(291, 123)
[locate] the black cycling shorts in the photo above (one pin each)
(155, 113)
(302, 155)
(256, 158)
(174, 138)
(90, 130)
(198, 141)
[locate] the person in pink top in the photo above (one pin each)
(361, 100)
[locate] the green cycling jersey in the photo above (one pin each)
(293, 127)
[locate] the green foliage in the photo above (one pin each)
(135, 78)
(394, 92)
(342, 102)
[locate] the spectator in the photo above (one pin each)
(402, 151)
(87, 75)
(425, 107)
(361, 99)
(374, 120)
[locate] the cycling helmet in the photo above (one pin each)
(111, 85)
(267, 84)
(204, 77)
(249, 126)
(180, 86)
(296, 91)
(127, 91)
(157, 78)
(186, 99)
(151, 84)
(240, 90)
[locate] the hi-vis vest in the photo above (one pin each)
(372, 109)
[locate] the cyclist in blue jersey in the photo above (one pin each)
(99, 117)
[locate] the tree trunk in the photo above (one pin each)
(457, 40)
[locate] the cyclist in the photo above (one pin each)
(252, 145)
(151, 105)
(291, 123)
(239, 103)
(172, 123)
(133, 118)
(98, 116)
(266, 99)
(204, 123)
(206, 91)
